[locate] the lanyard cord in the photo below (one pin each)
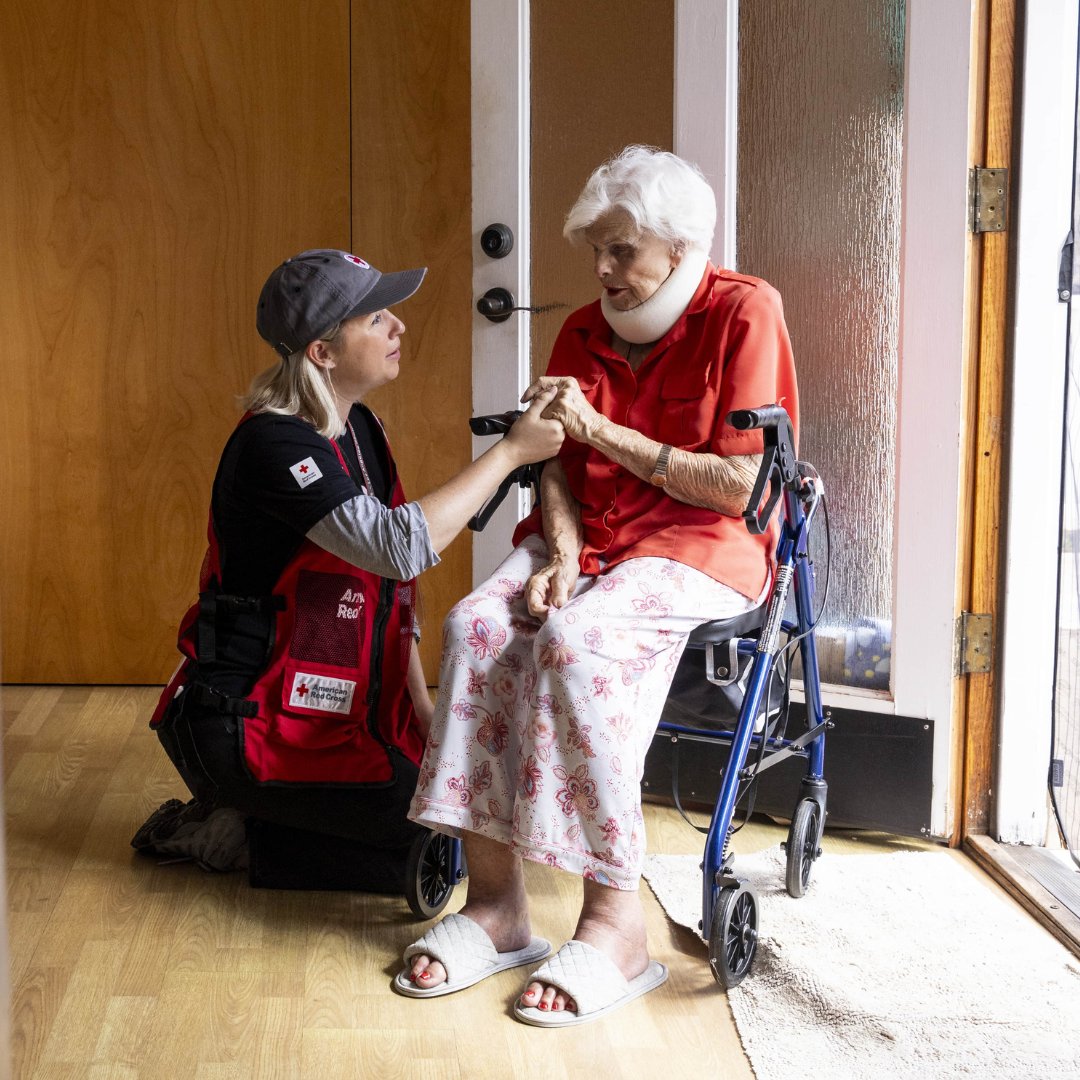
(369, 488)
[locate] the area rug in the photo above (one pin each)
(900, 965)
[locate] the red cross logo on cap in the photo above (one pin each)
(358, 261)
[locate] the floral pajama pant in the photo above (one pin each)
(541, 726)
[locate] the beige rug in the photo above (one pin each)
(891, 966)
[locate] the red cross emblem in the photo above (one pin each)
(358, 261)
(303, 468)
(302, 689)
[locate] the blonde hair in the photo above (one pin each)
(297, 387)
(661, 193)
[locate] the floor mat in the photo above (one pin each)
(901, 966)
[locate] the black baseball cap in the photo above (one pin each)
(313, 291)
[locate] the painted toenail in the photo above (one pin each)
(543, 1006)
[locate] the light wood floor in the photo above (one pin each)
(125, 969)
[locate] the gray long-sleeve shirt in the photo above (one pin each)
(393, 543)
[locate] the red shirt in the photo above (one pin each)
(729, 350)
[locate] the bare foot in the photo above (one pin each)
(612, 921)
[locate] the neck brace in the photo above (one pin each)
(651, 320)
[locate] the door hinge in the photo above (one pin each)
(974, 635)
(989, 198)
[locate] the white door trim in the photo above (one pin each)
(500, 132)
(934, 267)
(706, 105)
(1026, 639)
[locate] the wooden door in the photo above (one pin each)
(156, 161)
(411, 196)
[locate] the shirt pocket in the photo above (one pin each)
(687, 408)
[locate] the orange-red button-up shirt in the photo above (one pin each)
(729, 350)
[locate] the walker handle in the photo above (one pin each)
(523, 475)
(779, 466)
(762, 416)
(494, 423)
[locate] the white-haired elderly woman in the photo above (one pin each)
(555, 670)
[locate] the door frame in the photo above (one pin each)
(1027, 639)
(935, 338)
(500, 133)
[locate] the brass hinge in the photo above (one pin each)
(974, 634)
(989, 198)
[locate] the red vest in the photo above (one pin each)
(333, 694)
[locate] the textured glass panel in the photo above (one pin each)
(818, 216)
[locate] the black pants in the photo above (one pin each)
(319, 836)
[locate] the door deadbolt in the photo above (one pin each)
(497, 241)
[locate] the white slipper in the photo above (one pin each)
(592, 980)
(467, 953)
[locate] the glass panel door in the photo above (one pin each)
(819, 216)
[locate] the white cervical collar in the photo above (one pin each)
(652, 319)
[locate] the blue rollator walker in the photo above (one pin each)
(730, 701)
(743, 658)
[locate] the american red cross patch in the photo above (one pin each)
(305, 472)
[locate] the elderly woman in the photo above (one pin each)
(555, 670)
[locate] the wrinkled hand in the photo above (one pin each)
(551, 587)
(568, 405)
(534, 435)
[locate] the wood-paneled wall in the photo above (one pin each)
(411, 207)
(156, 161)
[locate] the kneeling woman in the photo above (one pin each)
(299, 712)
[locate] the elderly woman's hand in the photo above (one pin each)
(535, 435)
(568, 406)
(551, 587)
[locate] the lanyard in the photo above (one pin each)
(369, 488)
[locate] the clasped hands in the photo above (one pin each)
(569, 406)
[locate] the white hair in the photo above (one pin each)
(296, 387)
(662, 194)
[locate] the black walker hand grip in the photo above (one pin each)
(779, 466)
(762, 416)
(494, 423)
(523, 475)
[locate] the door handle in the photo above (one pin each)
(497, 305)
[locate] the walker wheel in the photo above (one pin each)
(428, 883)
(733, 940)
(802, 846)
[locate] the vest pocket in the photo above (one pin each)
(320, 707)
